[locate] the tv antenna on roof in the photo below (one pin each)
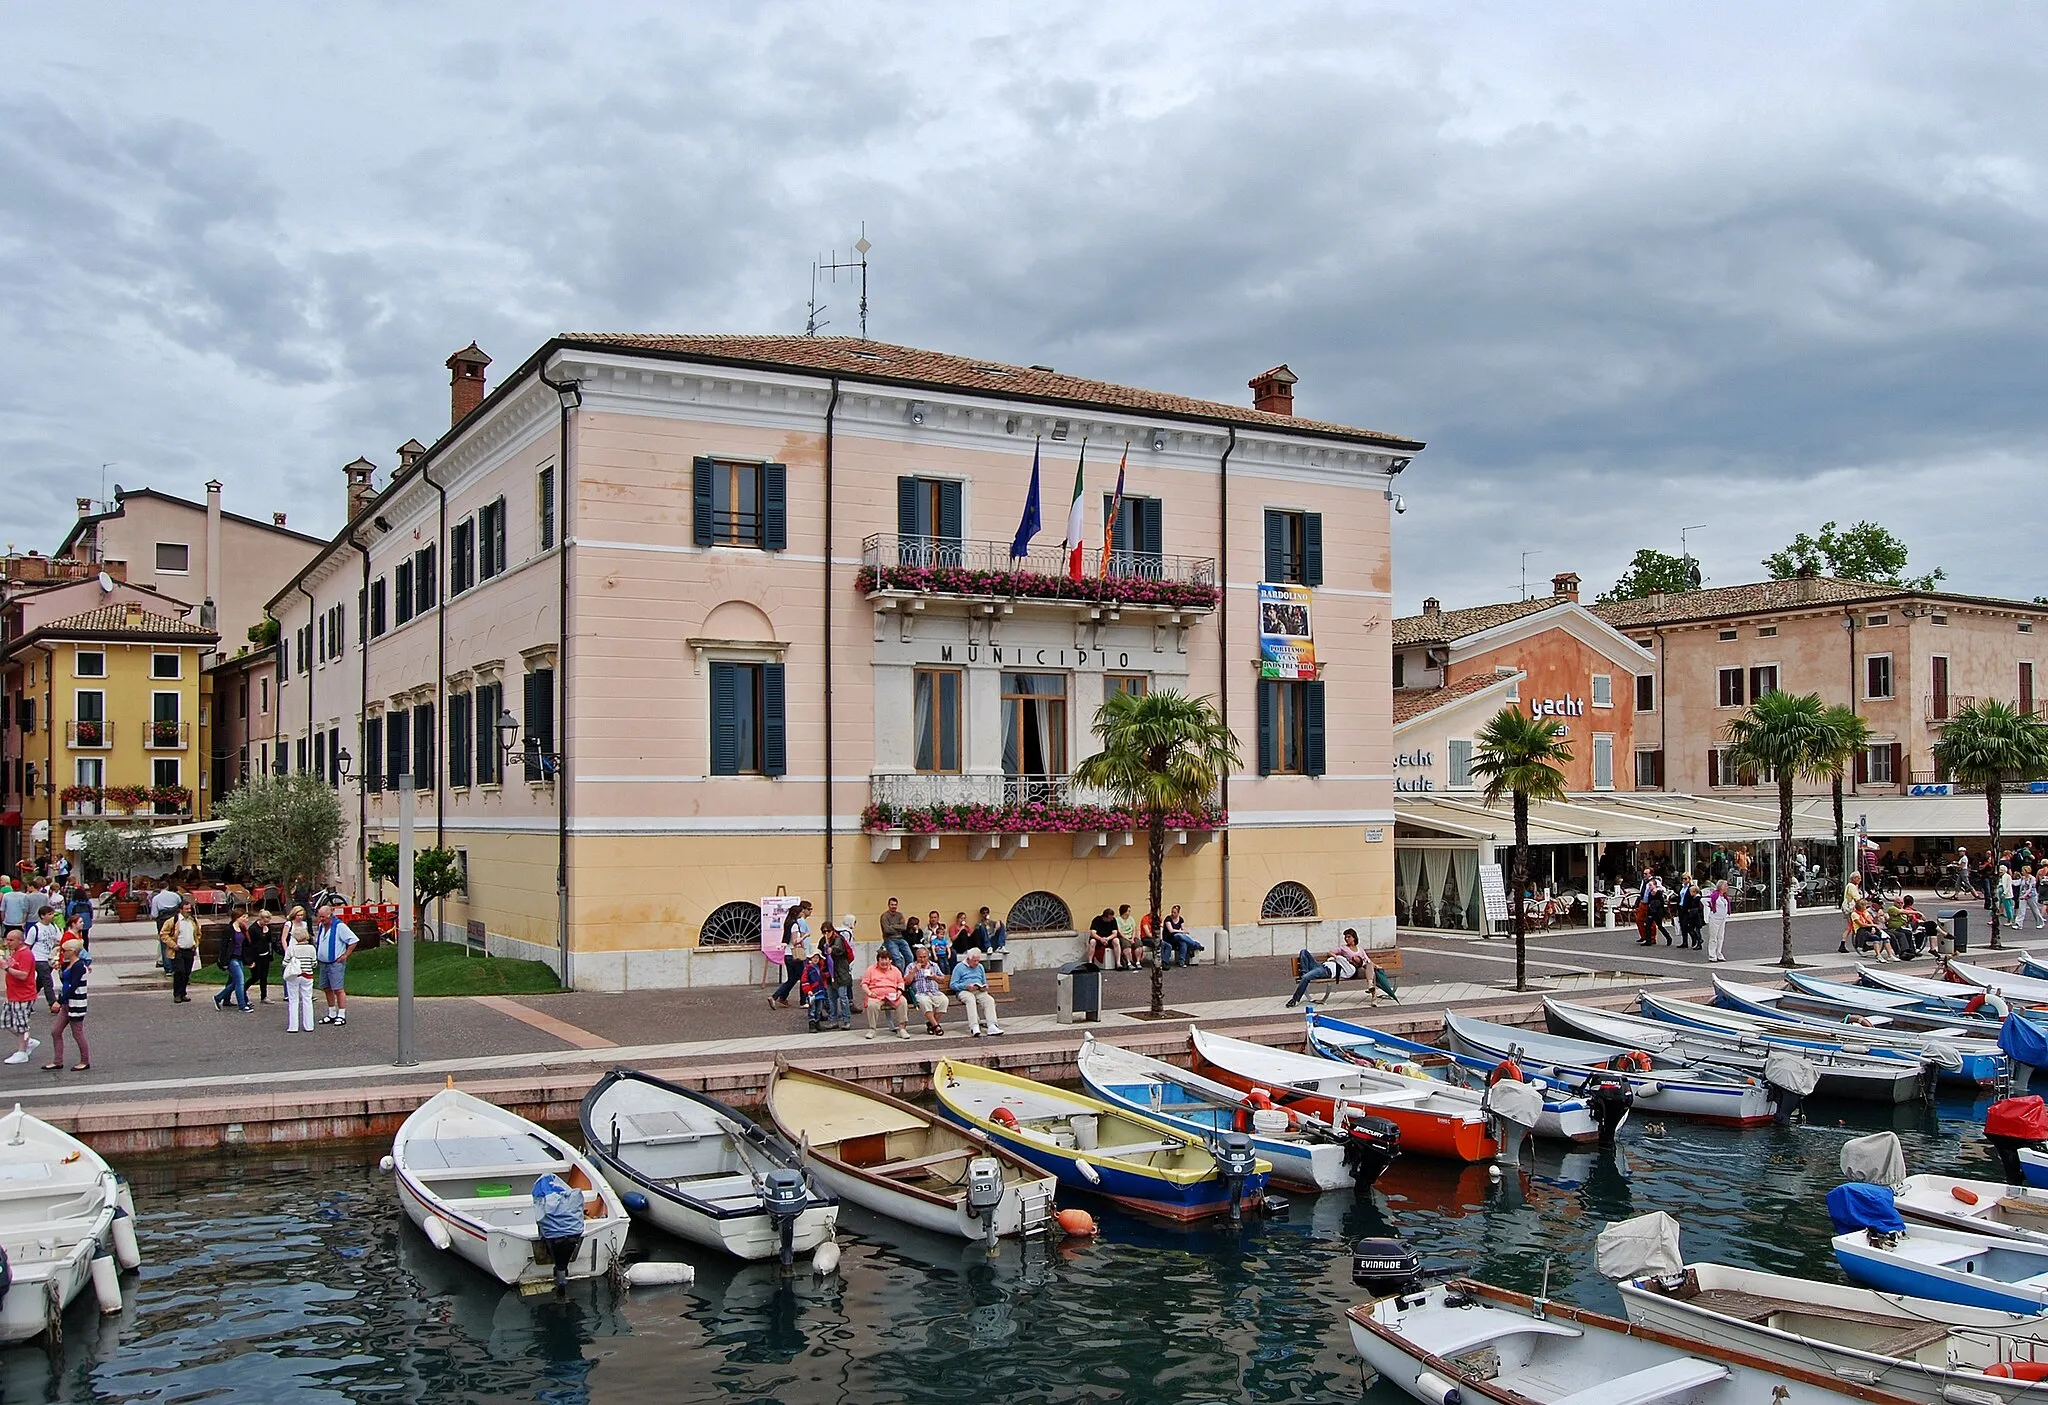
(1692, 567)
(1525, 570)
(861, 247)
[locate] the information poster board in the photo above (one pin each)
(774, 912)
(1494, 890)
(1287, 647)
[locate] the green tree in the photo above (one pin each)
(436, 874)
(116, 851)
(1849, 737)
(1989, 744)
(1519, 755)
(281, 827)
(1789, 736)
(1162, 753)
(1864, 552)
(1653, 573)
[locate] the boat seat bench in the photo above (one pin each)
(1906, 1343)
(1140, 1148)
(1653, 1383)
(922, 1163)
(532, 1169)
(1482, 1327)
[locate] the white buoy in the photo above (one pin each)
(386, 1165)
(437, 1232)
(123, 1195)
(1493, 1173)
(1430, 1386)
(1088, 1171)
(127, 1253)
(106, 1282)
(655, 1273)
(825, 1259)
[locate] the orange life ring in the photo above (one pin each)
(1003, 1117)
(1504, 1070)
(1634, 1059)
(1259, 1098)
(1964, 1194)
(2019, 1370)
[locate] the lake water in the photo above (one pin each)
(269, 1278)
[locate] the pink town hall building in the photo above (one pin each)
(664, 625)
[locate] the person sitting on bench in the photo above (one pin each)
(1347, 962)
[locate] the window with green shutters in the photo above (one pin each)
(423, 747)
(461, 556)
(460, 741)
(540, 724)
(490, 540)
(1294, 547)
(739, 502)
(489, 701)
(929, 521)
(373, 754)
(1291, 727)
(1137, 541)
(397, 748)
(749, 731)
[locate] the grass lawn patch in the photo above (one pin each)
(438, 968)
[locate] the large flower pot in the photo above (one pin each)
(126, 911)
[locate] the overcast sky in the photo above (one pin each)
(1626, 268)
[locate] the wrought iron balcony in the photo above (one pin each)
(895, 565)
(920, 790)
(166, 736)
(90, 735)
(1942, 707)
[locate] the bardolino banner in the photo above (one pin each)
(774, 913)
(1287, 646)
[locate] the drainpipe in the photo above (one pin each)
(362, 711)
(442, 568)
(312, 623)
(831, 408)
(1223, 647)
(570, 394)
(50, 786)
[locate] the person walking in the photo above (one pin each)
(13, 906)
(43, 939)
(179, 937)
(2005, 893)
(300, 959)
(883, 985)
(1692, 915)
(970, 983)
(1715, 903)
(334, 942)
(163, 904)
(264, 948)
(79, 905)
(2029, 894)
(75, 963)
(234, 959)
(21, 995)
(796, 946)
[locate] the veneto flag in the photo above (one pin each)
(1075, 546)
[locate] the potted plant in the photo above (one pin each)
(91, 733)
(170, 799)
(76, 797)
(165, 733)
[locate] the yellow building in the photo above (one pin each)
(112, 717)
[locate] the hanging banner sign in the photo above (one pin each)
(1287, 647)
(1494, 890)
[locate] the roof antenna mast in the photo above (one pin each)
(861, 248)
(811, 322)
(1525, 570)
(1692, 567)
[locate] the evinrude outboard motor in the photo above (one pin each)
(985, 1191)
(2012, 1123)
(1792, 1079)
(1385, 1265)
(1371, 1144)
(1236, 1158)
(1611, 1099)
(786, 1197)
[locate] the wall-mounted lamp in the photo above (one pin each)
(547, 763)
(917, 412)
(570, 393)
(1059, 429)
(1158, 440)
(342, 761)
(1396, 465)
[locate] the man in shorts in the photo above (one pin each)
(333, 943)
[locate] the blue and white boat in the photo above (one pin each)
(1950, 995)
(2032, 965)
(1878, 1249)
(1885, 1009)
(1568, 1113)
(1958, 1061)
(1976, 1048)
(1140, 1162)
(1306, 1152)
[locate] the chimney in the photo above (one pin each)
(1806, 585)
(134, 615)
(409, 453)
(1565, 586)
(1431, 605)
(277, 519)
(360, 491)
(1274, 390)
(85, 507)
(466, 381)
(210, 609)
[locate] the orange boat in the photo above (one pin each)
(1435, 1118)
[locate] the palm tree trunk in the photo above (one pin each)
(1994, 811)
(1155, 846)
(1785, 862)
(1521, 867)
(1841, 840)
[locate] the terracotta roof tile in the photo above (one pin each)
(1755, 598)
(1411, 703)
(852, 356)
(115, 619)
(1447, 625)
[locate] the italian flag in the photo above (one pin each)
(1074, 516)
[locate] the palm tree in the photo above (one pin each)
(1787, 735)
(1519, 755)
(1161, 753)
(1851, 738)
(1987, 743)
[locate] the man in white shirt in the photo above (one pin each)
(333, 943)
(42, 940)
(163, 904)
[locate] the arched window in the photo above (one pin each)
(734, 924)
(1040, 912)
(1287, 900)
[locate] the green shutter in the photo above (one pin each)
(1312, 727)
(1267, 759)
(1151, 527)
(373, 754)
(948, 527)
(1311, 548)
(540, 721)
(774, 507)
(906, 508)
(725, 720)
(774, 729)
(1276, 547)
(700, 501)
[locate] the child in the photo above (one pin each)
(814, 990)
(941, 947)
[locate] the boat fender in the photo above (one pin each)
(437, 1233)
(106, 1281)
(659, 1273)
(636, 1203)
(1088, 1171)
(387, 1165)
(123, 1196)
(1964, 1194)
(1504, 1070)
(1430, 1386)
(825, 1259)
(1649, 1088)
(1003, 1117)
(2019, 1370)
(1078, 1223)
(127, 1253)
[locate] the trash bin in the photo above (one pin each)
(1958, 929)
(1078, 993)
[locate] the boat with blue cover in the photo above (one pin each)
(1737, 1006)
(1569, 1112)
(1878, 1249)
(1140, 1162)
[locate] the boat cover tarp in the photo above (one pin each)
(1877, 1159)
(1859, 1205)
(1646, 1246)
(2022, 1119)
(1785, 1069)
(2025, 1041)
(1515, 1101)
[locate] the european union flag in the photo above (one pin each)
(1027, 527)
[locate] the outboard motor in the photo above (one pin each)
(1385, 1266)
(985, 1191)
(2012, 1123)
(1611, 1099)
(1371, 1144)
(1237, 1159)
(1792, 1079)
(1514, 1107)
(786, 1197)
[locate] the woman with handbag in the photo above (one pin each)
(299, 959)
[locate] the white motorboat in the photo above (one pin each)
(59, 1205)
(901, 1161)
(1878, 1249)
(465, 1171)
(1980, 1207)
(688, 1164)
(1470, 1341)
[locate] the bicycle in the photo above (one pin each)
(1884, 885)
(1952, 884)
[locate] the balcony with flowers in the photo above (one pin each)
(84, 800)
(998, 816)
(908, 573)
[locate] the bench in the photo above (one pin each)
(920, 1164)
(1140, 1148)
(1652, 1383)
(1477, 1327)
(1904, 1345)
(717, 1187)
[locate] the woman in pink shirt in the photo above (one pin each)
(883, 983)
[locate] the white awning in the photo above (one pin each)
(74, 838)
(1606, 817)
(1933, 816)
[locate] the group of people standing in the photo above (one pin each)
(928, 967)
(307, 956)
(1701, 914)
(51, 963)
